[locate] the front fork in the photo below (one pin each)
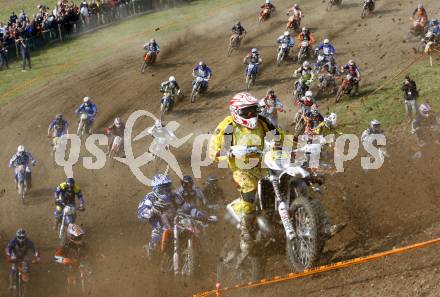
(176, 250)
(283, 210)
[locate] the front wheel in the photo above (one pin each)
(364, 12)
(194, 94)
(189, 260)
(144, 67)
(339, 94)
(280, 57)
(249, 80)
(329, 5)
(304, 250)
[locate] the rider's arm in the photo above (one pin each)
(10, 248)
(80, 108)
(32, 247)
(80, 196)
(31, 158)
(145, 209)
(12, 161)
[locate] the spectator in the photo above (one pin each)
(25, 53)
(410, 94)
(3, 56)
(84, 9)
(2, 29)
(13, 18)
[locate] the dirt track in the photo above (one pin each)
(382, 208)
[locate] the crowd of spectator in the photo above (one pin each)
(72, 16)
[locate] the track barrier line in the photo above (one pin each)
(309, 272)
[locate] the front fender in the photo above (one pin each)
(295, 171)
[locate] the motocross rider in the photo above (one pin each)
(58, 127)
(203, 71)
(65, 195)
(372, 130)
(423, 124)
(253, 58)
(352, 69)
(434, 27)
(305, 73)
(213, 193)
(328, 126)
(191, 193)
(241, 125)
(152, 47)
(295, 11)
(159, 208)
(172, 87)
(328, 50)
(287, 39)
(115, 129)
(271, 106)
(305, 35)
(16, 252)
(90, 109)
(420, 12)
(25, 158)
(268, 5)
(312, 119)
(305, 103)
(239, 31)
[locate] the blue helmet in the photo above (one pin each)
(161, 184)
(434, 22)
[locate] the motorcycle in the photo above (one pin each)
(345, 88)
(285, 213)
(304, 52)
(68, 217)
(20, 278)
(332, 3)
(294, 24)
(265, 15)
(167, 103)
(84, 125)
(418, 28)
(327, 85)
(200, 85)
(367, 8)
(283, 52)
(23, 181)
(149, 59)
(179, 245)
(234, 44)
(251, 74)
(300, 89)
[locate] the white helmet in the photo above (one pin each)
(306, 64)
(86, 99)
(331, 120)
(20, 149)
(314, 109)
(326, 41)
(286, 33)
(254, 50)
(75, 233)
(158, 124)
(244, 110)
(309, 94)
(429, 34)
(172, 79)
(375, 125)
(268, 1)
(117, 122)
(351, 62)
(424, 109)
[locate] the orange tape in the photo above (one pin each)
(321, 269)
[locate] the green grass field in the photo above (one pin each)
(29, 6)
(63, 58)
(387, 104)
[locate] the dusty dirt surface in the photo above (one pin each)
(390, 207)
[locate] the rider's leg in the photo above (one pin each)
(28, 177)
(12, 272)
(57, 217)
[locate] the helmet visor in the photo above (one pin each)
(249, 112)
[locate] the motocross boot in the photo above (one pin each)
(247, 242)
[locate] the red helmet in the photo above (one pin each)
(244, 110)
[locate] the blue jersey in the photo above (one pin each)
(90, 109)
(204, 73)
(327, 49)
(174, 202)
(20, 252)
(60, 127)
(24, 158)
(152, 47)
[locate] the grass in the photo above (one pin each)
(387, 104)
(29, 6)
(93, 48)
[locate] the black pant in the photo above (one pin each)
(26, 57)
(3, 60)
